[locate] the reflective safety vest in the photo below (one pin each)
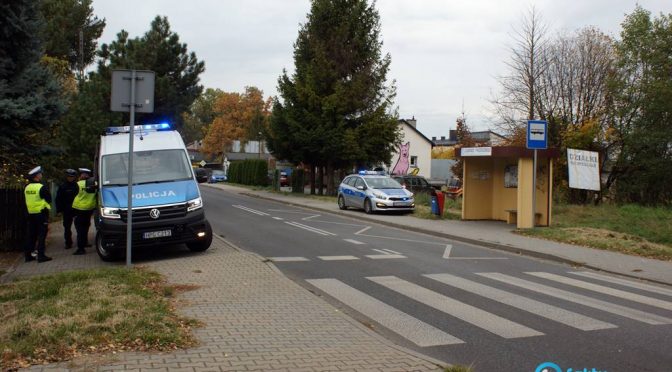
(34, 201)
(84, 201)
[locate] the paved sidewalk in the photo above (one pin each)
(255, 319)
(493, 234)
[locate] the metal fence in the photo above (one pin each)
(13, 215)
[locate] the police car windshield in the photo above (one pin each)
(383, 183)
(148, 167)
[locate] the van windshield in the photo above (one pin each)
(148, 167)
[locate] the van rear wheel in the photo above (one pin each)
(203, 243)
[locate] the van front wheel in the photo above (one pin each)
(105, 254)
(203, 243)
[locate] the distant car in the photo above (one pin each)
(373, 192)
(284, 180)
(217, 176)
(202, 174)
(417, 184)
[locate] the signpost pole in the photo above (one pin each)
(129, 214)
(537, 138)
(534, 189)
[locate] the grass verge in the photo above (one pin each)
(57, 317)
(458, 368)
(631, 229)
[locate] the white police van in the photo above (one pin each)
(167, 204)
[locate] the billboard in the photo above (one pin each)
(584, 169)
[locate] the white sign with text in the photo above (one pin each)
(584, 169)
(476, 151)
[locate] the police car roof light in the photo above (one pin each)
(367, 172)
(143, 127)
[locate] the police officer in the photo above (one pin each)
(38, 200)
(64, 197)
(82, 207)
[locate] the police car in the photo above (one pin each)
(373, 191)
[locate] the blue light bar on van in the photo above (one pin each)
(143, 127)
(369, 172)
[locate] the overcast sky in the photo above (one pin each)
(446, 54)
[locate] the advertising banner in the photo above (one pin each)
(584, 169)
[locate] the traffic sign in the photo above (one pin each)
(537, 134)
(202, 163)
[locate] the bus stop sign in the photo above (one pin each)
(537, 134)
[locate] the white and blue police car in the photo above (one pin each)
(374, 191)
(167, 204)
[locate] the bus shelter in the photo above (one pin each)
(497, 185)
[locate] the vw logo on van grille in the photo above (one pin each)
(154, 213)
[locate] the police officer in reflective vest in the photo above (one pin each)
(64, 197)
(82, 207)
(38, 200)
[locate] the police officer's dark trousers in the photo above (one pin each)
(38, 225)
(82, 224)
(68, 217)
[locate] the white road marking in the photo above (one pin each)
(310, 228)
(580, 299)
(362, 230)
(416, 331)
(251, 210)
(605, 290)
(625, 282)
(278, 218)
(382, 251)
(309, 217)
(354, 241)
(391, 251)
(557, 314)
(337, 258)
(470, 314)
(288, 259)
(446, 253)
(384, 256)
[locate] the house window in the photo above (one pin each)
(414, 161)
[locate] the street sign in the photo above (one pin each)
(121, 91)
(202, 163)
(537, 134)
(132, 91)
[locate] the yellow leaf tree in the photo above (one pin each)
(240, 117)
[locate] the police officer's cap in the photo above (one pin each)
(84, 170)
(71, 172)
(33, 172)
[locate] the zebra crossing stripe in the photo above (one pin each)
(288, 259)
(337, 258)
(554, 313)
(470, 314)
(580, 299)
(605, 290)
(624, 282)
(416, 331)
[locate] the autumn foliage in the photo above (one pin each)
(240, 116)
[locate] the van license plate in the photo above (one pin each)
(157, 234)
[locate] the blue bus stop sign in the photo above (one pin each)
(537, 134)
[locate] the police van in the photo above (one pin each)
(166, 201)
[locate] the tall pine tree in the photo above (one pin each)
(30, 97)
(336, 109)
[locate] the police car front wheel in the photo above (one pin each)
(368, 208)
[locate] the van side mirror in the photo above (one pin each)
(91, 184)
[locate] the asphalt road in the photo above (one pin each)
(456, 302)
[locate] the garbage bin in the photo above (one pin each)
(435, 205)
(440, 198)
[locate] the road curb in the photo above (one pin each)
(484, 243)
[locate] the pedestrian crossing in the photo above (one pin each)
(555, 305)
